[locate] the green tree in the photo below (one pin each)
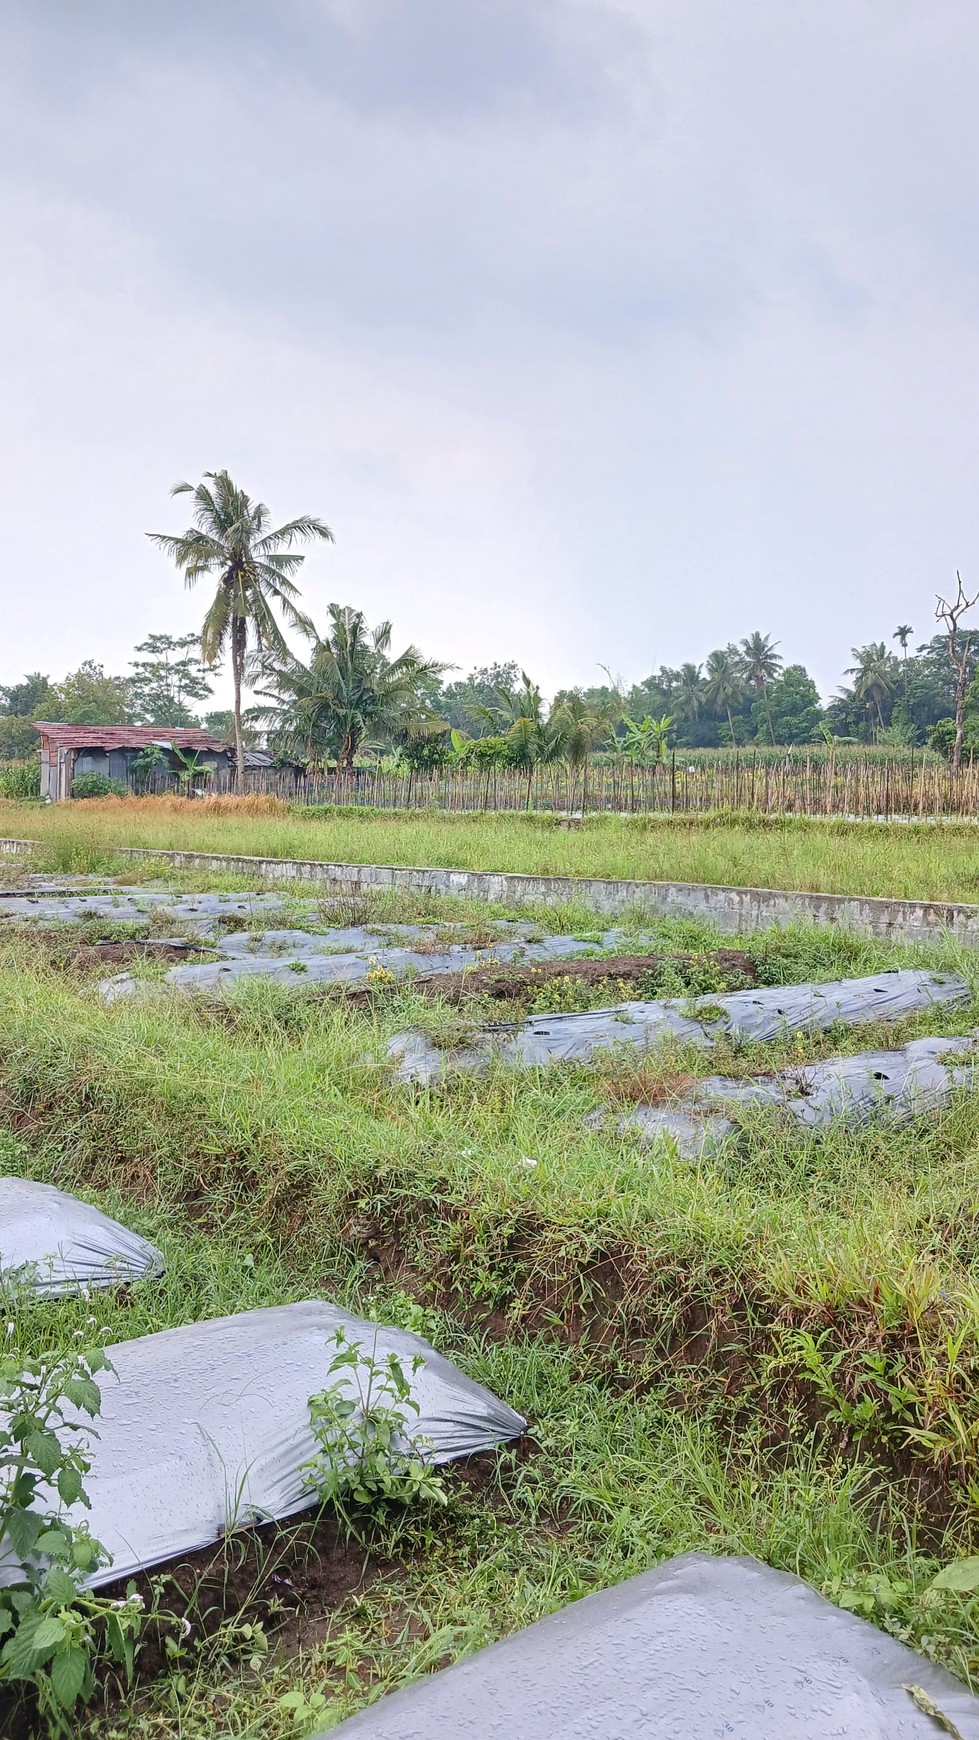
(28, 699)
(797, 714)
(760, 665)
(88, 697)
(724, 685)
(350, 690)
(20, 704)
(231, 539)
(162, 683)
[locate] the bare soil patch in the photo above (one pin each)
(518, 984)
(98, 955)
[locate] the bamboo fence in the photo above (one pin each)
(873, 786)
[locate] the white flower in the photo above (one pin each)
(525, 1160)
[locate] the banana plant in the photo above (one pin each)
(190, 768)
(645, 740)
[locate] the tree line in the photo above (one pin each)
(348, 694)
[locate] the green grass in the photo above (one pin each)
(649, 1317)
(918, 861)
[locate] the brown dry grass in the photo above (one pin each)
(252, 804)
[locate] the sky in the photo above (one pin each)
(601, 332)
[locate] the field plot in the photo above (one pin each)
(917, 861)
(766, 1345)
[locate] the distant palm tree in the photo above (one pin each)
(688, 697)
(760, 665)
(350, 689)
(574, 724)
(903, 633)
(724, 685)
(873, 679)
(230, 538)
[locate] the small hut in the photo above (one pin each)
(70, 750)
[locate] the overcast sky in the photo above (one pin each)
(598, 330)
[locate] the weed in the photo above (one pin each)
(52, 1629)
(368, 1455)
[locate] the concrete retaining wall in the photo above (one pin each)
(730, 909)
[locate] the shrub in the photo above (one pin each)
(489, 752)
(425, 754)
(98, 785)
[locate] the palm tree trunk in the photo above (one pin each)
(730, 724)
(768, 714)
(238, 632)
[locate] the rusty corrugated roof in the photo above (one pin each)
(126, 736)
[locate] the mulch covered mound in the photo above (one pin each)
(90, 957)
(512, 983)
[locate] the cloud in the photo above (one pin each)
(598, 330)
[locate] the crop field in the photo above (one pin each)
(771, 1348)
(915, 861)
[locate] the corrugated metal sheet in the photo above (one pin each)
(126, 736)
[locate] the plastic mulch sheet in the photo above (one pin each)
(685, 1131)
(206, 1428)
(295, 957)
(740, 1015)
(52, 1243)
(698, 1647)
(127, 904)
(890, 1087)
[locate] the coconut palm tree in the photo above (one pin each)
(724, 684)
(760, 665)
(350, 689)
(574, 725)
(873, 679)
(534, 735)
(231, 539)
(688, 697)
(903, 633)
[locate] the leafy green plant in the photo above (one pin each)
(568, 995)
(20, 779)
(98, 785)
(52, 1630)
(643, 741)
(190, 767)
(695, 975)
(368, 1455)
(151, 759)
(305, 1708)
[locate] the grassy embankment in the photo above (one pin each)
(916, 861)
(774, 1352)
